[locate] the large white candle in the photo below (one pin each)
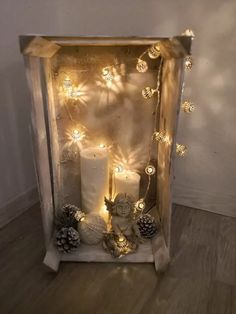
(94, 178)
(126, 182)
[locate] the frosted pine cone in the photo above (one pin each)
(147, 226)
(66, 217)
(67, 239)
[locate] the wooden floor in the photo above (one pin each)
(201, 278)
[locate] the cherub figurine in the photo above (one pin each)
(124, 236)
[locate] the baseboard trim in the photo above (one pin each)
(210, 201)
(18, 205)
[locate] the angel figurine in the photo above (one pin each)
(124, 235)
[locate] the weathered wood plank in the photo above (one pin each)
(53, 132)
(41, 146)
(95, 253)
(161, 254)
(172, 80)
(40, 47)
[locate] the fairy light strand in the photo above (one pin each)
(158, 91)
(153, 52)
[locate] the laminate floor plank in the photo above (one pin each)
(221, 298)
(226, 254)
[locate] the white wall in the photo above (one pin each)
(207, 177)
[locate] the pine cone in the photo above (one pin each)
(67, 239)
(66, 217)
(147, 226)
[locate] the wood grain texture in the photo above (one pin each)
(176, 47)
(40, 47)
(53, 133)
(172, 79)
(191, 285)
(41, 153)
(226, 253)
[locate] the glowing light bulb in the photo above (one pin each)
(70, 93)
(107, 74)
(150, 170)
(79, 216)
(160, 137)
(188, 63)
(155, 51)
(102, 145)
(67, 82)
(74, 92)
(142, 66)
(188, 106)
(77, 92)
(76, 135)
(140, 205)
(119, 169)
(148, 92)
(181, 150)
(121, 239)
(189, 32)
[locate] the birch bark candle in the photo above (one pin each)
(94, 166)
(126, 182)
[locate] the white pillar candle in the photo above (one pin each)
(126, 182)
(94, 167)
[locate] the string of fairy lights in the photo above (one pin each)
(107, 73)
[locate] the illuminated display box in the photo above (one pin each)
(104, 119)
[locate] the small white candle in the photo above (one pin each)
(94, 166)
(126, 182)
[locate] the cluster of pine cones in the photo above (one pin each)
(67, 237)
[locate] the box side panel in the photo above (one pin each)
(172, 79)
(40, 144)
(51, 113)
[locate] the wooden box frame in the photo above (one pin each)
(37, 51)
